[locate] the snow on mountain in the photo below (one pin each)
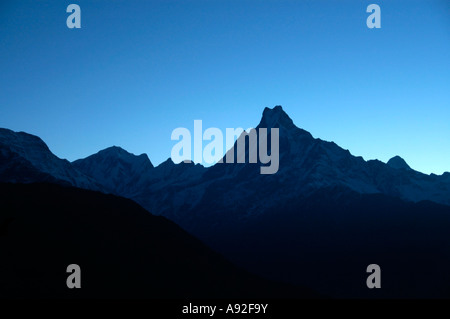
(26, 158)
(307, 164)
(117, 170)
(168, 179)
(323, 203)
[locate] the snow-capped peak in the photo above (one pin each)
(119, 171)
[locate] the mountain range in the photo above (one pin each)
(307, 162)
(316, 222)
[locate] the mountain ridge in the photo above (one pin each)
(120, 172)
(321, 195)
(26, 158)
(398, 163)
(313, 162)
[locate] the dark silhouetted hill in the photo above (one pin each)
(123, 251)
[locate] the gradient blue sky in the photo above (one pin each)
(136, 70)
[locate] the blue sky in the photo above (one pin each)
(136, 70)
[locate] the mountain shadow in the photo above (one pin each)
(123, 251)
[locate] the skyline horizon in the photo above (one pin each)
(331, 119)
(206, 165)
(136, 70)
